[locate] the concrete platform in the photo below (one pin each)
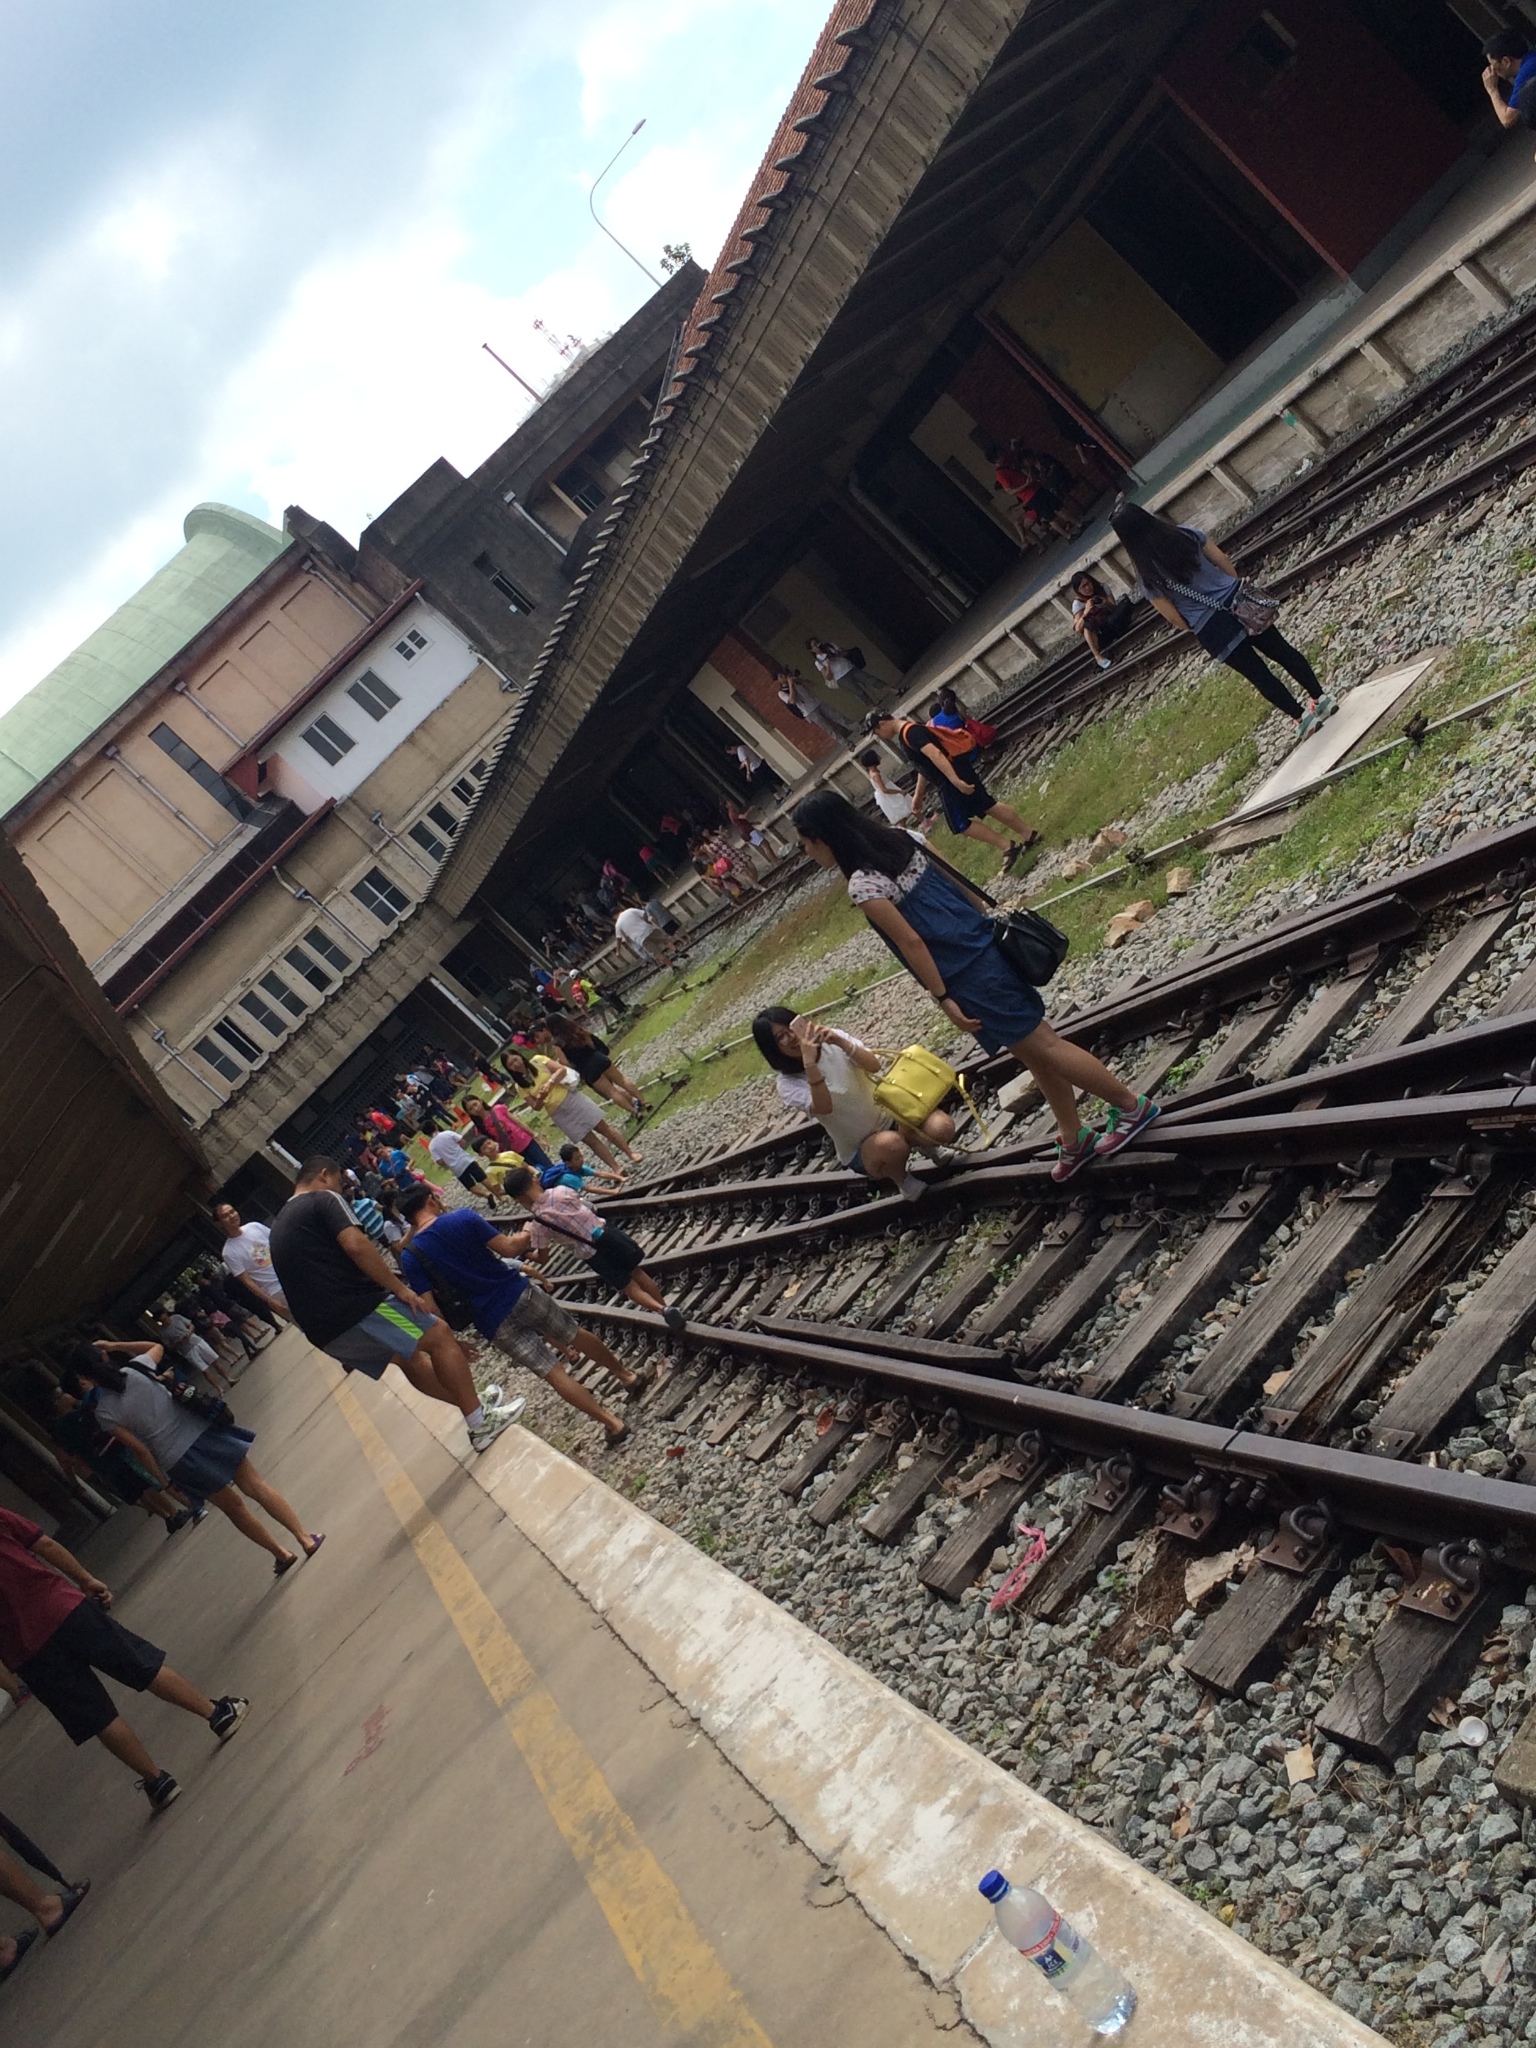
(512, 1774)
(380, 1855)
(1360, 711)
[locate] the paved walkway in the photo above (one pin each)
(460, 1813)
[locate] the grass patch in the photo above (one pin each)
(1119, 765)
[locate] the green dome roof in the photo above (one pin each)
(225, 552)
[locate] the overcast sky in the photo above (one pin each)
(252, 252)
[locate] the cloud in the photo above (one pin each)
(250, 279)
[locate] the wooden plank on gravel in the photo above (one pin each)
(891, 1517)
(820, 1455)
(1412, 1661)
(979, 1277)
(676, 1395)
(1247, 1035)
(1387, 1308)
(1495, 1323)
(1242, 1639)
(1161, 1061)
(709, 1390)
(1310, 1030)
(906, 1284)
(872, 1455)
(1061, 1251)
(848, 1289)
(1414, 1011)
(1083, 1552)
(734, 1417)
(1083, 1296)
(954, 1564)
(1196, 1284)
(1346, 1235)
(767, 1441)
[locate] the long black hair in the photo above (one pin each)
(1095, 587)
(856, 841)
(768, 1045)
(1162, 552)
(87, 1363)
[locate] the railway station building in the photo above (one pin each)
(302, 803)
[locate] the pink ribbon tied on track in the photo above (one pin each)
(1019, 1575)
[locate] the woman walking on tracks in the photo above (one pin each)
(1194, 584)
(945, 760)
(945, 939)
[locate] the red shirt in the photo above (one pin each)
(34, 1598)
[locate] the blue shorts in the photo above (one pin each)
(391, 1333)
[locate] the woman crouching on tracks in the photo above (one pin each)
(542, 1084)
(559, 1217)
(941, 934)
(829, 1075)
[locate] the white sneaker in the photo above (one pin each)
(483, 1434)
(1104, 661)
(913, 1189)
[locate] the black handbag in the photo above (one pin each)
(1033, 947)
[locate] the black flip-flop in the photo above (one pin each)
(69, 1901)
(614, 1440)
(23, 1943)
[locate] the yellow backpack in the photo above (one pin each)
(916, 1083)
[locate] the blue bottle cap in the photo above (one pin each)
(994, 1886)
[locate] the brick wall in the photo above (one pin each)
(750, 673)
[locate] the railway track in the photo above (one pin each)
(1287, 1322)
(1410, 465)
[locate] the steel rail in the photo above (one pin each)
(1383, 1495)
(1309, 942)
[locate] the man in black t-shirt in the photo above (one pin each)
(354, 1307)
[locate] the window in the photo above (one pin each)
(220, 1061)
(518, 600)
(446, 820)
(376, 892)
(265, 1015)
(207, 779)
(581, 487)
(237, 1041)
(373, 693)
(465, 790)
(428, 840)
(410, 646)
(280, 992)
(301, 959)
(328, 739)
(1264, 54)
(310, 970)
(322, 943)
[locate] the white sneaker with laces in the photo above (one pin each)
(483, 1434)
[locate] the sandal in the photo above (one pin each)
(23, 1943)
(617, 1437)
(69, 1901)
(315, 1541)
(285, 1564)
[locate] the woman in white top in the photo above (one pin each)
(895, 805)
(830, 1076)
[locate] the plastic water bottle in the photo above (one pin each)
(1105, 1999)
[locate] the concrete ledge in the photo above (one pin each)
(906, 1814)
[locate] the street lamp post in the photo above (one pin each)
(592, 197)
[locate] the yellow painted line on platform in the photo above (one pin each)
(688, 1986)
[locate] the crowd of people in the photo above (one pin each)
(375, 1265)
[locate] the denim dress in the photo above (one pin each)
(959, 936)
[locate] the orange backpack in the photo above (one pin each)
(955, 740)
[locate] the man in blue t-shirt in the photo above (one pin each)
(462, 1251)
(1509, 79)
